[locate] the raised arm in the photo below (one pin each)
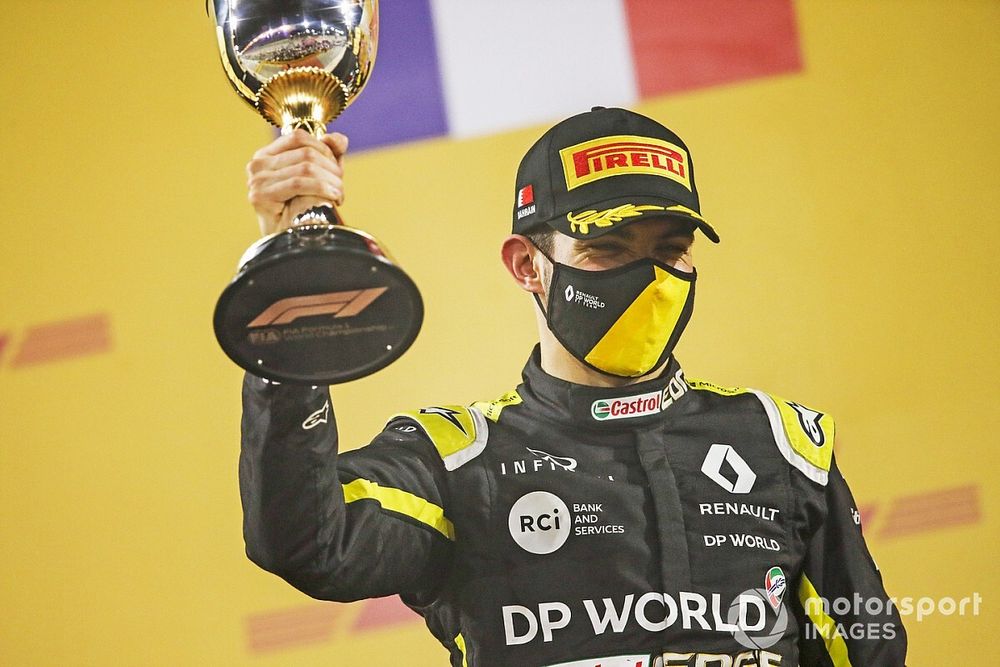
(365, 524)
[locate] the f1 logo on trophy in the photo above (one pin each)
(320, 302)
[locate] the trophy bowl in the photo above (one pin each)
(319, 302)
(299, 63)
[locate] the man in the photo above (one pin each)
(608, 511)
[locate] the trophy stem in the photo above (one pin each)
(305, 97)
(310, 126)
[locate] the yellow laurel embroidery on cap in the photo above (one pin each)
(686, 211)
(581, 222)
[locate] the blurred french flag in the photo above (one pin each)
(465, 68)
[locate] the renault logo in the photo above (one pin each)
(737, 476)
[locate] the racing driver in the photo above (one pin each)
(608, 511)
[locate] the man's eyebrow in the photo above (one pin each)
(623, 233)
(579, 244)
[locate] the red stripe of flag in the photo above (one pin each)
(383, 612)
(65, 339)
(680, 45)
(933, 510)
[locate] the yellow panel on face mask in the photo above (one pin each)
(635, 342)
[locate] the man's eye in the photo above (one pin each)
(673, 250)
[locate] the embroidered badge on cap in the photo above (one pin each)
(624, 154)
(525, 201)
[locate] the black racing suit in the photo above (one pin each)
(671, 522)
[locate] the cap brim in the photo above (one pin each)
(605, 217)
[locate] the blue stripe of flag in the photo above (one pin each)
(403, 100)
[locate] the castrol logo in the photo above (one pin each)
(640, 405)
(631, 406)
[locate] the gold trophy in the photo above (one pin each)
(320, 302)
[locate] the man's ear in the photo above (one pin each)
(518, 255)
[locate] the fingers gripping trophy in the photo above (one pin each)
(319, 302)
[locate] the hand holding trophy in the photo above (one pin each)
(319, 302)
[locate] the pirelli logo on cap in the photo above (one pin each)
(624, 154)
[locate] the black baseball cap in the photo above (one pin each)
(603, 169)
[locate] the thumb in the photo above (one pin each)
(337, 143)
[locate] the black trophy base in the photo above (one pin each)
(318, 304)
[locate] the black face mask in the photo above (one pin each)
(624, 321)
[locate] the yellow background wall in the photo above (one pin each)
(858, 273)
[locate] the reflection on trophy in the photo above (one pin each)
(318, 303)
